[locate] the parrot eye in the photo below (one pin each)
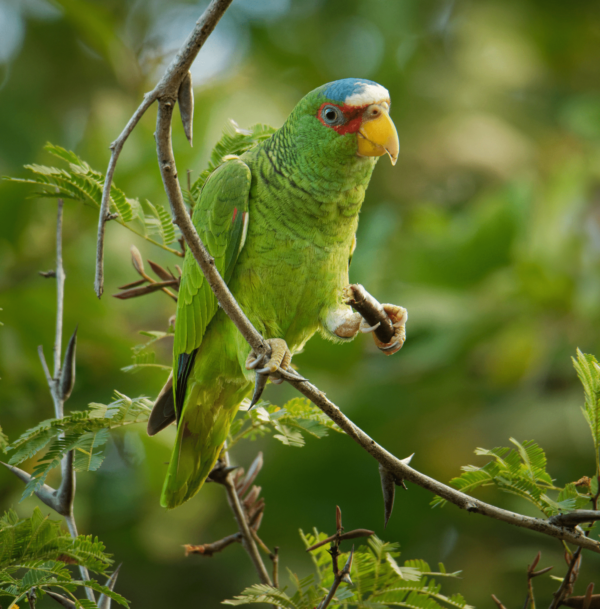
(332, 115)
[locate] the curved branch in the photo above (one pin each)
(167, 87)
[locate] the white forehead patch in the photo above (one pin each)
(368, 94)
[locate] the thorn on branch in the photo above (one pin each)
(67, 373)
(60, 499)
(185, 98)
(47, 274)
(104, 601)
(574, 518)
(388, 486)
(61, 600)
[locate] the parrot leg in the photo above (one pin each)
(281, 357)
(398, 316)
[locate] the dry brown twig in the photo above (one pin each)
(342, 575)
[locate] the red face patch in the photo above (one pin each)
(353, 115)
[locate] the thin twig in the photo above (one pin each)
(167, 87)
(60, 299)
(498, 602)
(566, 586)
(65, 494)
(240, 517)
(208, 549)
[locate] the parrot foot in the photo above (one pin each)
(398, 316)
(280, 358)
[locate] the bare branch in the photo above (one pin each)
(60, 294)
(578, 602)
(242, 522)
(167, 87)
(403, 471)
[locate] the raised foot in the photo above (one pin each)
(280, 359)
(398, 316)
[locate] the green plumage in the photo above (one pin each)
(302, 189)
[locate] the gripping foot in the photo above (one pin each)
(280, 358)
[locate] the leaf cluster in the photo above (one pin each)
(378, 582)
(84, 432)
(289, 424)
(588, 372)
(143, 356)
(522, 471)
(80, 182)
(35, 553)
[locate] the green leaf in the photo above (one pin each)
(588, 372)
(82, 432)
(79, 182)
(36, 552)
(262, 593)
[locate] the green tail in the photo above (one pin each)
(201, 434)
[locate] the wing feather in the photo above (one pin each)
(220, 217)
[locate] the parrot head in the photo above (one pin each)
(348, 117)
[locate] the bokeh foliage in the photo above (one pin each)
(487, 230)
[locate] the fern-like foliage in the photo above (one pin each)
(83, 432)
(378, 582)
(520, 471)
(143, 356)
(289, 424)
(588, 372)
(35, 552)
(234, 141)
(82, 183)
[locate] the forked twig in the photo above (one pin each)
(168, 87)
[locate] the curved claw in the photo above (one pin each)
(275, 381)
(259, 386)
(293, 373)
(367, 329)
(252, 365)
(267, 370)
(390, 347)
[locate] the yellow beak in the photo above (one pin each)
(378, 136)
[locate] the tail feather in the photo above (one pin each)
(201, 434)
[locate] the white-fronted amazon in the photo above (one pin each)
(280, 221)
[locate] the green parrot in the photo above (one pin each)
(280, 221)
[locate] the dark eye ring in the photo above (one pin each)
(332, 115)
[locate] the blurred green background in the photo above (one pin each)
(487, 230)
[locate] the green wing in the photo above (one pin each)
(221, 219)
